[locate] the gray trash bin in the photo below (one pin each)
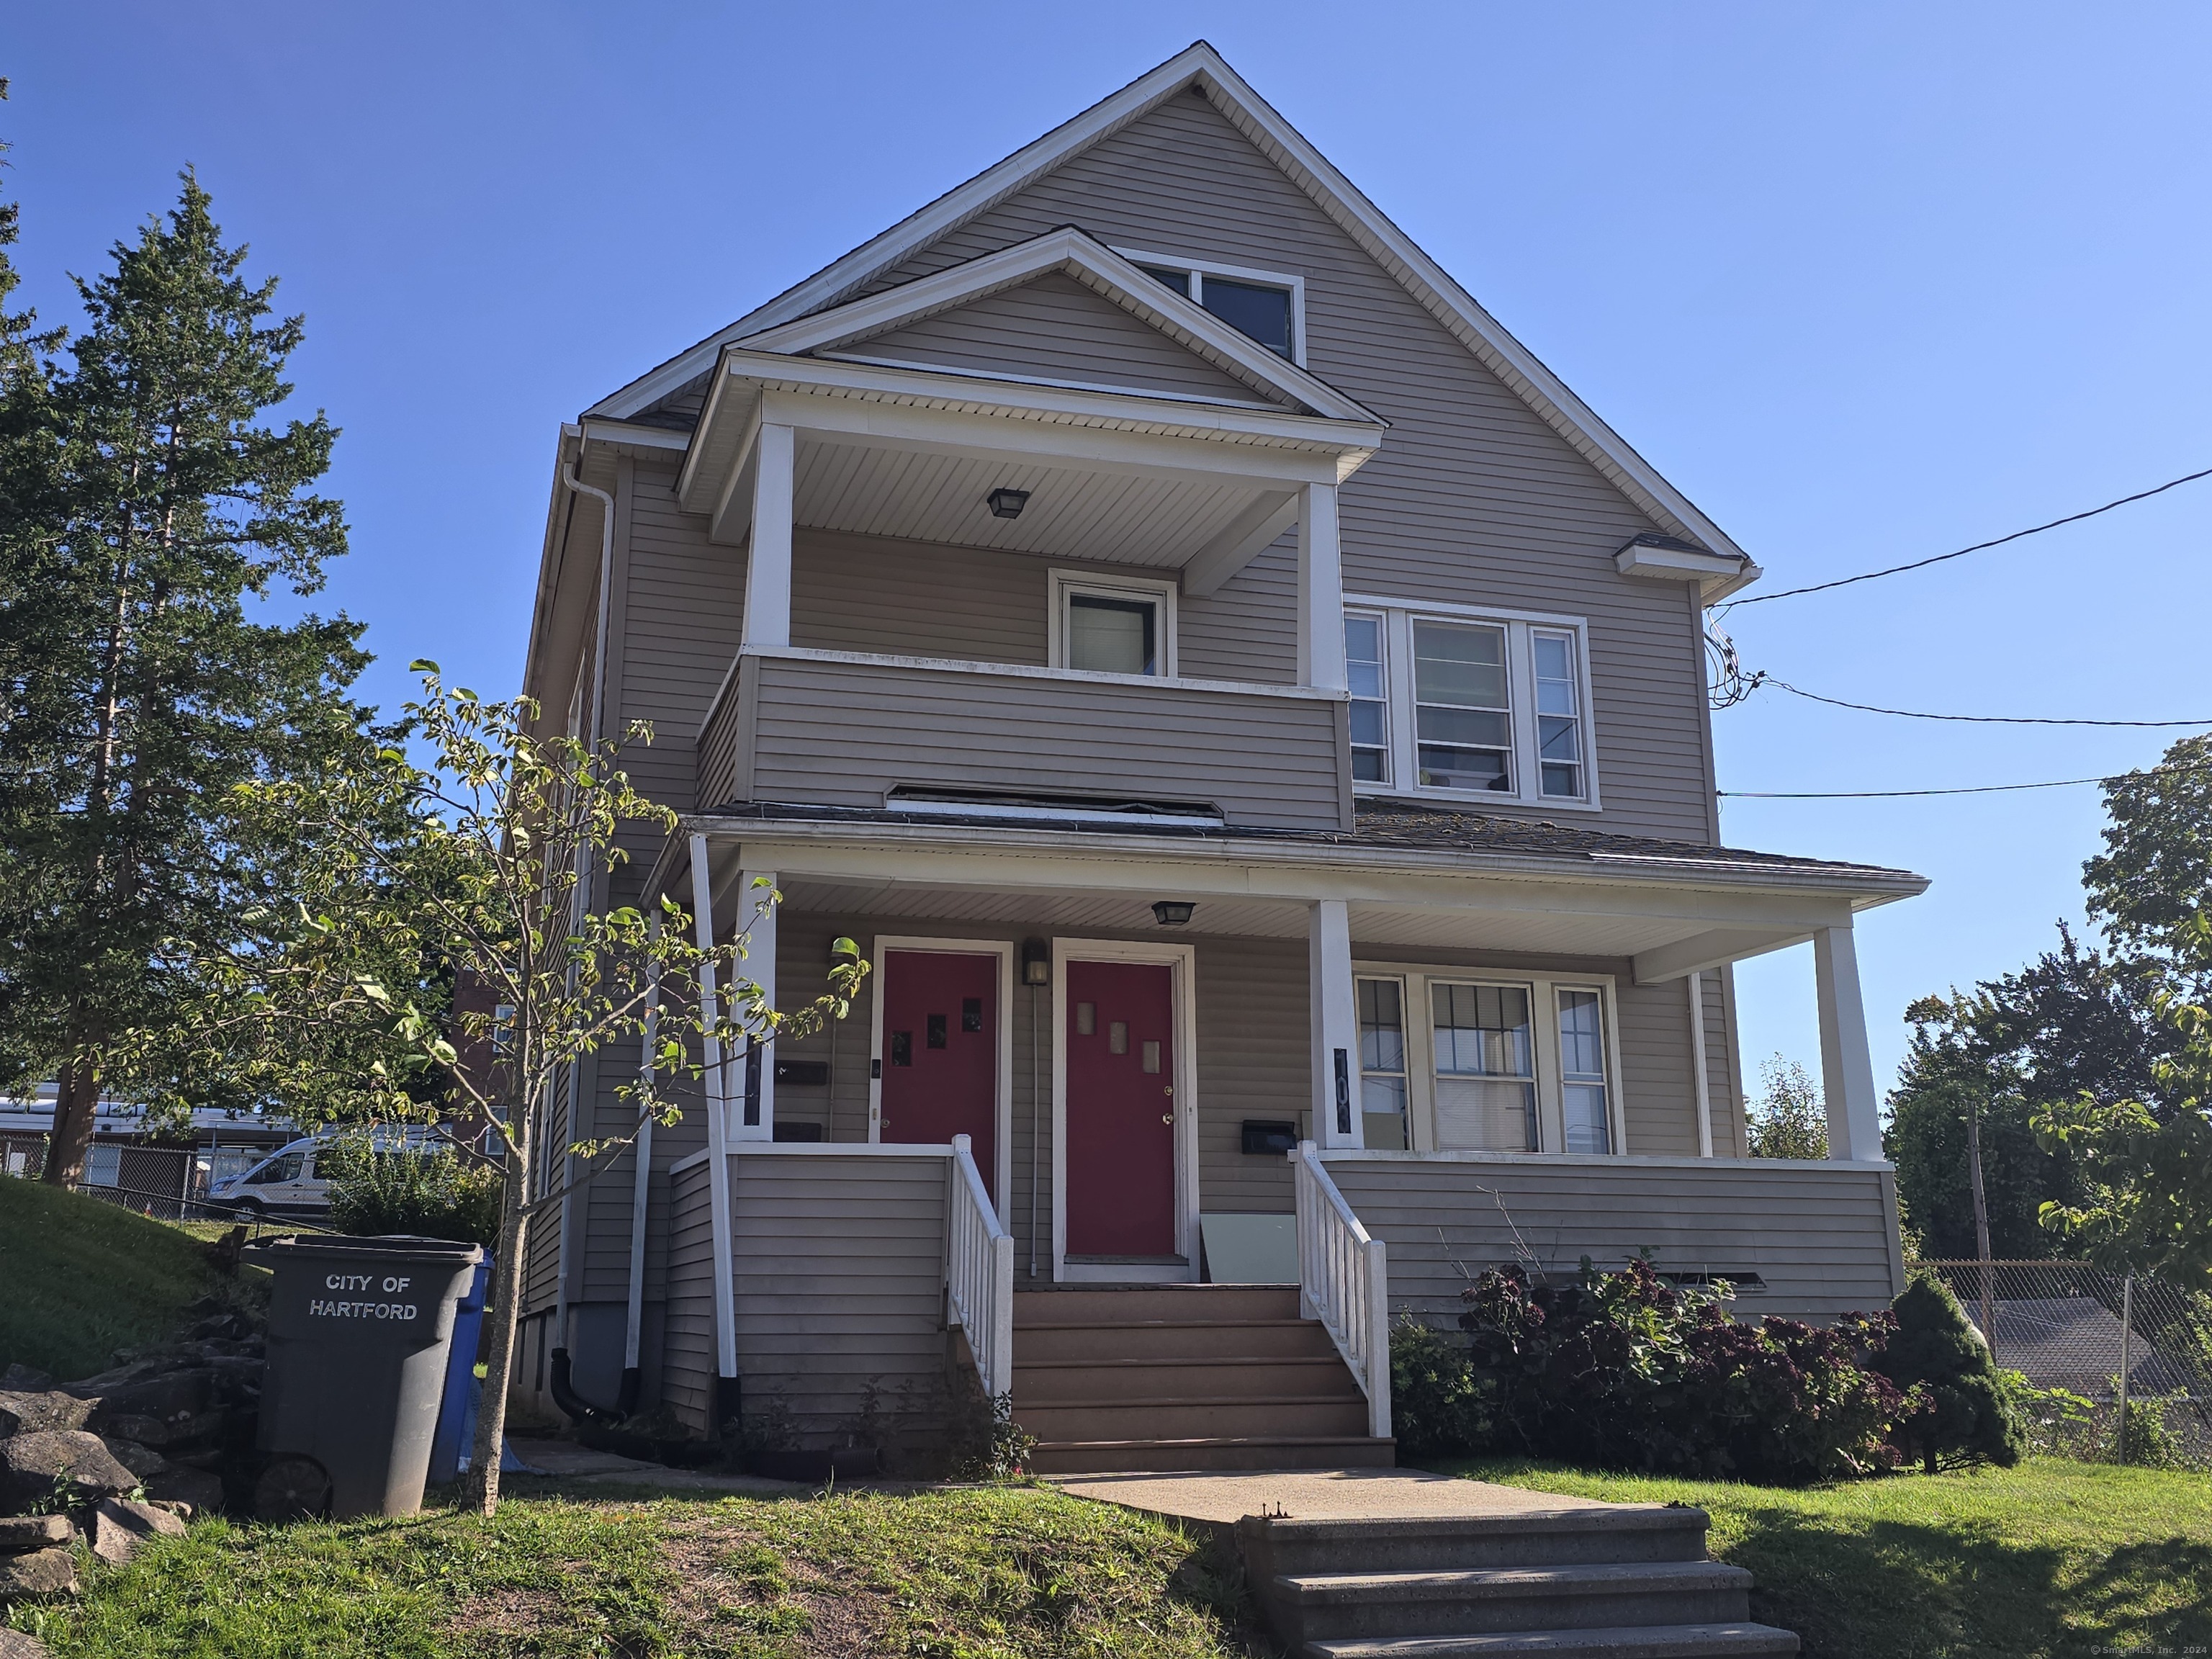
(358, 1330)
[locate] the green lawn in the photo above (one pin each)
(82, 1278)
(2051, 1558)
(989, 1573)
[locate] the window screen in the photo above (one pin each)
(1486, 1088)
(1262, 313)
(1112, 636)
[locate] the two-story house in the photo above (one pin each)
(1252, 717)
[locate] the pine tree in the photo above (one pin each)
(1963, 1417)
(141, 687)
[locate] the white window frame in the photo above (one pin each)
(1200, 270)
(1065, 584)
(1400, 615)
(1390, 721)
(1543, 988)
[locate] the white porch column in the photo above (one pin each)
(1321, 591)
(753, 1087)
(718, 1139)
(1846, 1066)
(768, 562)
(1335, 1023)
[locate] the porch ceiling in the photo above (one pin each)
(841, 482)
(1376, 928)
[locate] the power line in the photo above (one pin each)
(1978, 547)
(1971, 789)
(1974, 719)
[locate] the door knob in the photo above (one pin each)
(1168, 1118)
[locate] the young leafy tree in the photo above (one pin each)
(141, 686)
(1789, 1120)
(2149, 886)
(490, 861)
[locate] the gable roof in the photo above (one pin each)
(1068, 252)
(1201, 65)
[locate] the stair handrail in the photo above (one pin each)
(1344, 1281)
(979, 1272)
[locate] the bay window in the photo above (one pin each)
(1452, 701)
(1468, 1060)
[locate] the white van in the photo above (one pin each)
(286, 1183)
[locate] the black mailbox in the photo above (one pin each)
(1269, 1137)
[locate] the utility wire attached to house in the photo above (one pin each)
(1968, 789)
(1978, 547)
(1752, 682)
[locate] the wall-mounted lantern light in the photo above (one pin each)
(1007, 503)
(1037, 961)
(1172, 913)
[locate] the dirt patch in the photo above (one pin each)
(729, 1581)
(516, 1614)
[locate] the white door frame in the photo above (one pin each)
(1181, 959)
(1002, 1118)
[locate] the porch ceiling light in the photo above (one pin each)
(1037, 961)
(1007, 503)
(1172, 913)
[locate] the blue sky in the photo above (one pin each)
(1867, 283)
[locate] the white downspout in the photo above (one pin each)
(582, 897)
(717, 1144)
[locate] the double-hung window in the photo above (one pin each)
(1452, 701)
(1465, 1059)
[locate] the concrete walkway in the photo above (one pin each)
(1220, 1500)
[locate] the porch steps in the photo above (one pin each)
(1617, 1583)
(1183, 1376)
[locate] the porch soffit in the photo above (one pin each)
(1200, 66)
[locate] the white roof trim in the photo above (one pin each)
(1428, 282)
(1099, 268)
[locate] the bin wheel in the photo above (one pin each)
(292, 1489)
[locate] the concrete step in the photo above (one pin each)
(1358, 1452)
(1050, 1381)
(1330, 1607)
(1180, 1339)
(1723, 1641)
(1176, 1418)
(1119, 1304)
(1543, 1537)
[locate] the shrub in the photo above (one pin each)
(1961, 1411)
(396, 1190)
(1438, 1408)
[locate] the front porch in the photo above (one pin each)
(849, 1252)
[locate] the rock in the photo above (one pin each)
(32, 1464)
(158, 1432)
(182, 1510)
(167, 1397)
(16, 1645)
(197, 1489)
(19, 1533)
(142, 1460)
(41, 1572)
(21, 1379)
(28, 1414)
(119, 1526)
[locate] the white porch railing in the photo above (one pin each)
(979, 1272)
(1344, 1281)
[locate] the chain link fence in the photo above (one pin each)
(2121, 1358)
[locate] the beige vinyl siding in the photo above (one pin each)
(1254, 1061)
(1248, 630)
(687, 1359)
(840, 1265)
(684, 614)
(1659, 1082)
(1820, 1235)
(847, 733)
(1472, 498)
(1729, 1136)
(1054, 329)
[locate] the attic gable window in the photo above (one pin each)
(1263, 306)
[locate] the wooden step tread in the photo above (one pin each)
(1599, 1577)
(1330, 1358)
(1616, 1641)
(1215, 1440)
(1159, 1324)
(1154, 1403)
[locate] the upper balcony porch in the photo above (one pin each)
(1116, 512)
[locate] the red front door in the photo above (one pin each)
(1121, 1109)
(941, 1052)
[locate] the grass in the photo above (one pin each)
(972, 1573)
(84, 1277)
(2050, 1559)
